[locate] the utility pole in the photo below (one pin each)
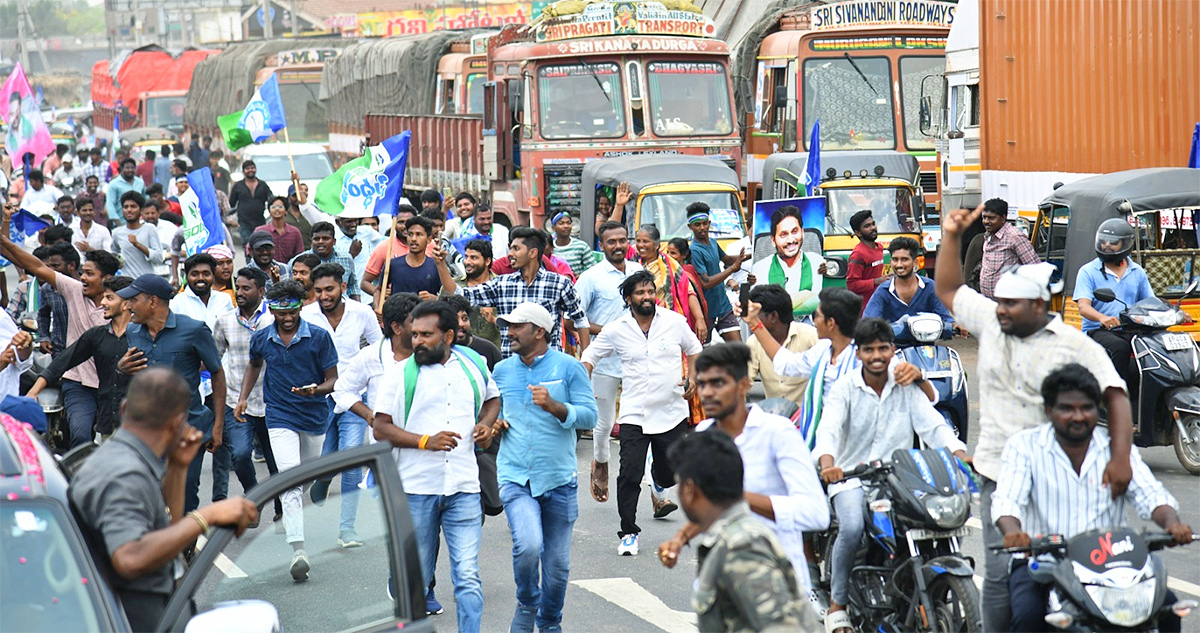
(268, 27)
(295, 20)
(26, 33)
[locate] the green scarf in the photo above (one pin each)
(777, 277)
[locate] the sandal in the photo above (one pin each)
(600, 481)
(838, 621)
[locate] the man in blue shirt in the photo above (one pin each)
(1113, 269)
(906, 292)
(709, 260)
(158, 336)
(546, 396)
(301, 369)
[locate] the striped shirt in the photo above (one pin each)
(552, 291)
(1041, 488)
(1011, 371)
(232, 333)
(1002, 249)
(577, 254)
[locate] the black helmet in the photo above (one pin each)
(1114, 240)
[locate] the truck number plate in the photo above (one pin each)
(1175, 341)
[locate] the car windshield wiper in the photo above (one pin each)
(861, 74)
(592, 69)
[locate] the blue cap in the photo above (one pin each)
(291, 189)
(25, 410)
(150, 284)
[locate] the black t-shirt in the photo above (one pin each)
(250, 206)
(486, 349)
(405, 278)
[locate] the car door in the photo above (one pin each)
(347, 589)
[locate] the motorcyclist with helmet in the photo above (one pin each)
(1113, 268)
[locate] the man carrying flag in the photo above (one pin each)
(202, 226)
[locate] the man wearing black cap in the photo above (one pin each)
(158, 336)
(262, 257)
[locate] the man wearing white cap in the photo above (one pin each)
(1020, 343)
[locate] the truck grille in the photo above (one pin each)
(928, 182)
(564, 189)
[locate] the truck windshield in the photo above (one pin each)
(891, 207)
(308, 167)
(689, 98)
(475, 92)
(853, 98)
(304, 111)
(913, 71)
(668, 211)
(581, 101)
(165, 112)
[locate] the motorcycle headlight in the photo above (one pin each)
(1124, 606)
(925, 328)
(947, 512)
(1158, 318)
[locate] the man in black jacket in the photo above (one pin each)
(249, 198)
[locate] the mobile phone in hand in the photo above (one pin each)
(744, 296)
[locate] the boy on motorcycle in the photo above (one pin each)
(868, 416)
(1113, 269)
(1051, 487)
(906, 292)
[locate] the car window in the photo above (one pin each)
(45, 584)
(257, 566)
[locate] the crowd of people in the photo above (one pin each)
(338, 331)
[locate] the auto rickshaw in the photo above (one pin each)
(1160, 202)
(661, 187)
(885, 182)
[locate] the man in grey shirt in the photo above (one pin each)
(137, 242)
(129, 496)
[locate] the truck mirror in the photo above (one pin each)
(926, 116)
(780, 101)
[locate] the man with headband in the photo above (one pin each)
(578, 255)
(300, 362)
(1020, 343)
(709, 259)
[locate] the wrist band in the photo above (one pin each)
(757, 326)
(204, 527)
(421, 444)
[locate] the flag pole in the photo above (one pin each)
(288, 141)
(380, 296)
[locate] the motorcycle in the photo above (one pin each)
(1166, 391)
(1103, 580)
(911, 575)
(58, 431)
(916, 337)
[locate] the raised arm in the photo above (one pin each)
(948, 274)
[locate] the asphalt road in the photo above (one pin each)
(606, 592)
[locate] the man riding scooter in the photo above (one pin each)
(906, 293)
(1113, 269)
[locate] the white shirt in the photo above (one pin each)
(48, 193)
(778, 465)
(599, 290)
(10, 377)
(358, 324)
(365, 373)
(190, 305)
(652, 367)
(98, 237)
(1040, 486)
(443, 400)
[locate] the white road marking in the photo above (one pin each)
(634, 598)
(222, 562)
(975, 523)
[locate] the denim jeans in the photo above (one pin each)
(848, 506)
(994, 597)
(236, 453)
(541, 533)
(80, 405)
(191, 493)
(346, 430)
(460, 518)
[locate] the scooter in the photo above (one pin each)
(58, 434)
(1166, 391)
(916, 337)
(1103, 580)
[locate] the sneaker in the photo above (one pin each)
(349, 539)
(257, 457)
(432, 606)
(523, 619)
(319, 491)
(299, 566)
(663, 507)
(628, 545)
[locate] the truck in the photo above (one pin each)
(856, 66)
(603, 80)
(224, 83)
(147, 87)
(1021, 109)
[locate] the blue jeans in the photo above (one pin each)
(460, 518)
(346, 430)
(541, 533)
(80, 404)
(191, 492)
(848, 505)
